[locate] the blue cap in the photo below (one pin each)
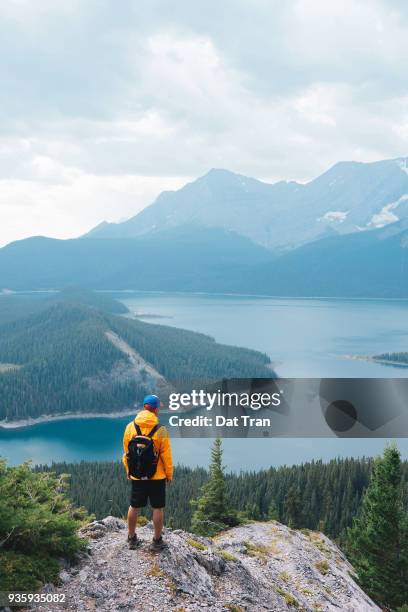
(152, 401)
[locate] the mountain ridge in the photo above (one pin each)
(348, 197)
(135, 263)
(341, 235)
(371, 264)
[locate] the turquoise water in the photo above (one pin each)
(304, 338)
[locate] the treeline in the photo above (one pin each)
(15, 306)
(67, 363)
(103, 489)
(397, 357)
(315, 495)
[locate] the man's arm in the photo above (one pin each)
(126, 439)
(166, 455)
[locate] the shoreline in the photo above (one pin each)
(400, 364)
(125, 292)
(48, 418)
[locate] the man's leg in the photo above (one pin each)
(157, 495)
(132, 520)
(158, 519)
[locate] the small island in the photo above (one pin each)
(399, 360)
(396, 359)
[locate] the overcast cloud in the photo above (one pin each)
(104, 104)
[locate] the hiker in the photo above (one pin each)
(148, 462)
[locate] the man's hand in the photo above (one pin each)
(128, 477)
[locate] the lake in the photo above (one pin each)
(303, 337)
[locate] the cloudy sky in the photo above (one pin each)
(104, 104)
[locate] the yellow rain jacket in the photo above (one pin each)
(146, 421)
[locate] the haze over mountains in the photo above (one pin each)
(344, 234)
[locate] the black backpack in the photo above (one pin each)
(142, 456)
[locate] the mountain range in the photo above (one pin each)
(349, 197)
(370, 264)
(185, 259)
(344, 234)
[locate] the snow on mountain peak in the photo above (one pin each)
(386, 216)
(336, 216)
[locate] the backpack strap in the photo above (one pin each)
(138, 430)
(153, 431)
(150, 434)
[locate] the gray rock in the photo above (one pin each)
(95, 591)
(112, 523)
(256, 567)
(94, 530)
(214, 564)
(65, 577)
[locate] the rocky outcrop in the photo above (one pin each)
(259, 566)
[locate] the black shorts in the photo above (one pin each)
(154, 490)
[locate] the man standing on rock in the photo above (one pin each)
(148, 462)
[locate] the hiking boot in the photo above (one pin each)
(158, 544)
(133, 542)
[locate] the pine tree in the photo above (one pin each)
(377, 541)
(252, 512)
(273, 513)
(293, 508)
(38, 526)
(212, 513)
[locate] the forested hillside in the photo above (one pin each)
(179, 354)
(187, 259)
(60, 360)
(314, 495)
(15, 306)
(54, 353)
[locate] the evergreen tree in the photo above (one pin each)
(273, 514)
(212, 513)
(293, 508)
(38, 526)
(377, 541)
